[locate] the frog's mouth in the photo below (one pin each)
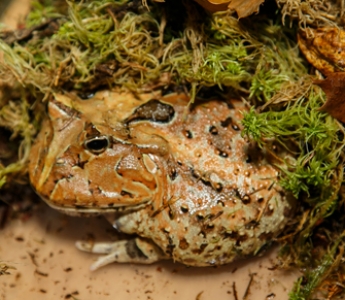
(85, 211)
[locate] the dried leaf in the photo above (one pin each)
(334, 88)
(244, 8)
(214, 5)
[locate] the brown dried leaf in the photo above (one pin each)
(214, 5)
(334, 88)
(244, 8)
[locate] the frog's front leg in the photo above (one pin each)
(137, 250)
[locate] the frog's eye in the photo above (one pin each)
(97, 144)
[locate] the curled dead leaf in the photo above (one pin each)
(243, 8)
(213, 6)
(334, 88)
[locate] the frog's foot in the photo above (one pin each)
(136, 250)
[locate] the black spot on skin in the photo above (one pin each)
(213, 130)
(203, 233)
(133, 250)
(234, 235)
(210, 227)
(154, 111)
(81, 164)
(173, 174)
(241, 238)
(171, 214)
(170, 248)
(226, 122)
(125, 193)
(200, 250)
(222, 153)
(260, 200)
(266, 236)
(195, 174)
(237, 194)
(188, 134)
(199, 217)
(252, 224)
(221, 203)
(268, 211)
(184, 209)
(183, 244)
(245, 199)
(218, 187)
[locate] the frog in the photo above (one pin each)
(179, 179)
(324, 48)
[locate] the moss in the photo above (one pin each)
(227, 54)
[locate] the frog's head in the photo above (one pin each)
(84, 160)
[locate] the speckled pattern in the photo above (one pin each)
(324, 48)
(182, 180)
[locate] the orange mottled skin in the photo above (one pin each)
(183, 181)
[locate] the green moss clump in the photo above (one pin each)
(144, 45)
(318, 137)
(315, 178)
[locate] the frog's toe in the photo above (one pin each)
(128, 251)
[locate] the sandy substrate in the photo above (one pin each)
(48, 266)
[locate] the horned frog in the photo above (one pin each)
(184, 184)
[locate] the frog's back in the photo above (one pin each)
(223, 198)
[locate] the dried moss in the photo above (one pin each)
(312, 13)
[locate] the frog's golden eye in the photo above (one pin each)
(97, 144)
